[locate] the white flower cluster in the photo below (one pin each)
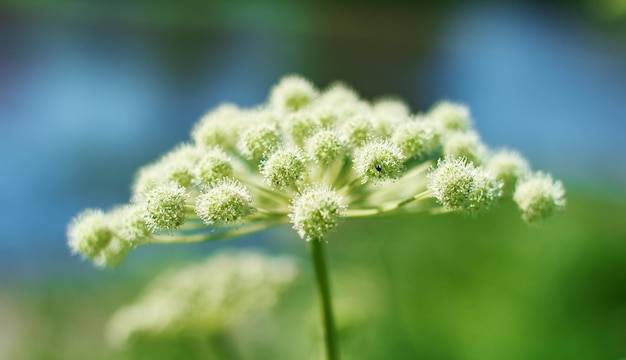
(205, 298)
(311, 158)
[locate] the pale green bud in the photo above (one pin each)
(508, 166)
(226, 202)
(451, 116)
(283, 168)
(459, 185)
(325, 116)
(260, 138)
(164, 207)
(378, 160)
(358, 129)
(339, 94)
(146, 178)
(218, 127)
(539, 197)
(213, 165)
(324, 147)
(416, 138)
(291, 94)
(467, 145)
(89, 233)
(129, 224)
(391, 107)
(178, 165)
(316, 211)
(301, 125)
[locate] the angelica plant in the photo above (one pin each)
(313, 158)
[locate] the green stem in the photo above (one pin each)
(323, 288)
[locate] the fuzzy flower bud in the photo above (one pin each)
(283, 168)
(358, 129)
(218, 127)
(539, 197)
(467, 145)
(378, 160)
(178, 165)
(259, 139)
(451, 116)
(316, 211)
(508, 166)
(415, 138)
(301, 125)
(213, 165)
(457, 184)
(113, 254)
(224, 203)
(339, 94)
(89, 233)
(292, 93)
(324, 147)
(129, 224)
(164, 207)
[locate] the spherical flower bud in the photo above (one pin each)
(213, 165)
(508, 166)
(129, 224)
(539, 197)
(292, 93)
(164, 207)
(358, 129)
(324, 147)
(459, 185)
(89, 233)
(146, 178)
(339, 94)
(301, 125)
(179, 164)
(415, 138)
(451, 116)
(392, 107)
(378, 160)
(226, 202)
(218, 127)
(467, 145)
(316, 211)
(283, 168)
(260, 138)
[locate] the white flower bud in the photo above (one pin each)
(113, 254)
(339, 94)
(458, 185)
(283, 168)
(178, 165)
(213, 165)
(508, 166)
(539, 197)
(292, 93)
(416, 138)
(316, 211)
(89, 233)
(226, 202)
(164, 207)
(467, 145)
(451, 116)
(324, 147)
(378, 160)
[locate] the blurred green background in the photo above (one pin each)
(89, 91)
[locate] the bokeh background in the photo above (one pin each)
(90, 91)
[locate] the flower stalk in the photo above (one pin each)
(331, 340)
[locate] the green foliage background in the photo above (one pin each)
(436, 287)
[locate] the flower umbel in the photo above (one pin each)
(312, 158)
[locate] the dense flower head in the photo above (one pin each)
(312, 157)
